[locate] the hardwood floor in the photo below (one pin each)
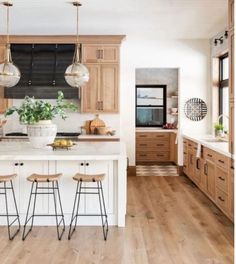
(169, 221)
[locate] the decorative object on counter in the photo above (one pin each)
(9, 73)
(170, 126)
(38, 115)
(62, 144)
(77, 74)
(195, 109)
(219, 130)
(95, 124)
(86, 127)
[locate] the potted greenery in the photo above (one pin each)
(38, 115)
(219, 129)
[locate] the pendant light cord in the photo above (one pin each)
(8, 22)
(77, 24)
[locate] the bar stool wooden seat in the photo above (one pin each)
(54, 190)
(80, 178)
(8, 179)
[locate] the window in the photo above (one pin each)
(150, 105)
(224, 91)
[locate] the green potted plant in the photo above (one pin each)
(219, 129)
(38, 115)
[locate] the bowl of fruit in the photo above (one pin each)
(62, 144)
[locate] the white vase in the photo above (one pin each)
(41, 133)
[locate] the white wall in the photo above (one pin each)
(192, 57)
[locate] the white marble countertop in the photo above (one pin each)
(221, 147)
(155, 129)
(81, 151)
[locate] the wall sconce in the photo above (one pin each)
(220, 40)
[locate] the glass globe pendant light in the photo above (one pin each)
(9, 73)
(77, 74)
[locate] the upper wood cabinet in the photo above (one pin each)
(100, 53)
(101, 94)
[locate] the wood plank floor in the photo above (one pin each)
(169, 221)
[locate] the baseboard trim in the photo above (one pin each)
(180, 170)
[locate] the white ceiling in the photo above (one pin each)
(165, 18)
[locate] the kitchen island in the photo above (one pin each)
(85, 157)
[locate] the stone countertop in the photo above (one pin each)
(220, 147)
(155, 129)
(81, 151)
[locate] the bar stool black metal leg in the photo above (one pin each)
(56, 214)
(24, 235)
(7, 214)
(104, 223)
(17, 213)
(75, 213)
(104, 208)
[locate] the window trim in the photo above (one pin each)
(222, 83)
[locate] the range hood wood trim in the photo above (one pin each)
(63, 39)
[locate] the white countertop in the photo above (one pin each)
(81, 151)
(221, 147)
(155, 129)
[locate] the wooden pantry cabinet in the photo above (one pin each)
(212, 173)
(155, 147)
(101, 93)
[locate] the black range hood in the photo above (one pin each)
(42, 68)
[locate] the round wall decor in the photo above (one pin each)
(195, 109)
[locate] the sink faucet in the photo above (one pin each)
(222, 115)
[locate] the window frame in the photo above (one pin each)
(222, 83)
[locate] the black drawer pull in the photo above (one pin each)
(221, 178)
(197, 164)
(209, 155)
(185, 153)
(221, 199)
(221, 161)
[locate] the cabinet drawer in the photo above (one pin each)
(222, 200)
(209, 154)
(222, 161)
(222, 179)
(152, 156)
(149, 145)
(152, 135)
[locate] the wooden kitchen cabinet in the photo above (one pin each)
(230, 14)
(213, 173)
(100, 53)
(152, 147)
(101, 93)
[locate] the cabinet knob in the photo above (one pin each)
(16, 164)
(87, 164)
(81, 164)
(21, 164)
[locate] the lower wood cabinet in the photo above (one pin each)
(213, 173)
(152, 147)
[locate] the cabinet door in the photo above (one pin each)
(100, 53)
(191, 165)
(210, 167)
(231, 14)
(4, 103)
(90, 92)
(231, 193)
(7, 168)
(92, 201)
(26, 168)
(231, 65)
(109, 54)
(68, 185)
(109, 95)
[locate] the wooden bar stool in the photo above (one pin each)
(80, 178)
(53, 189)
(8, 179)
